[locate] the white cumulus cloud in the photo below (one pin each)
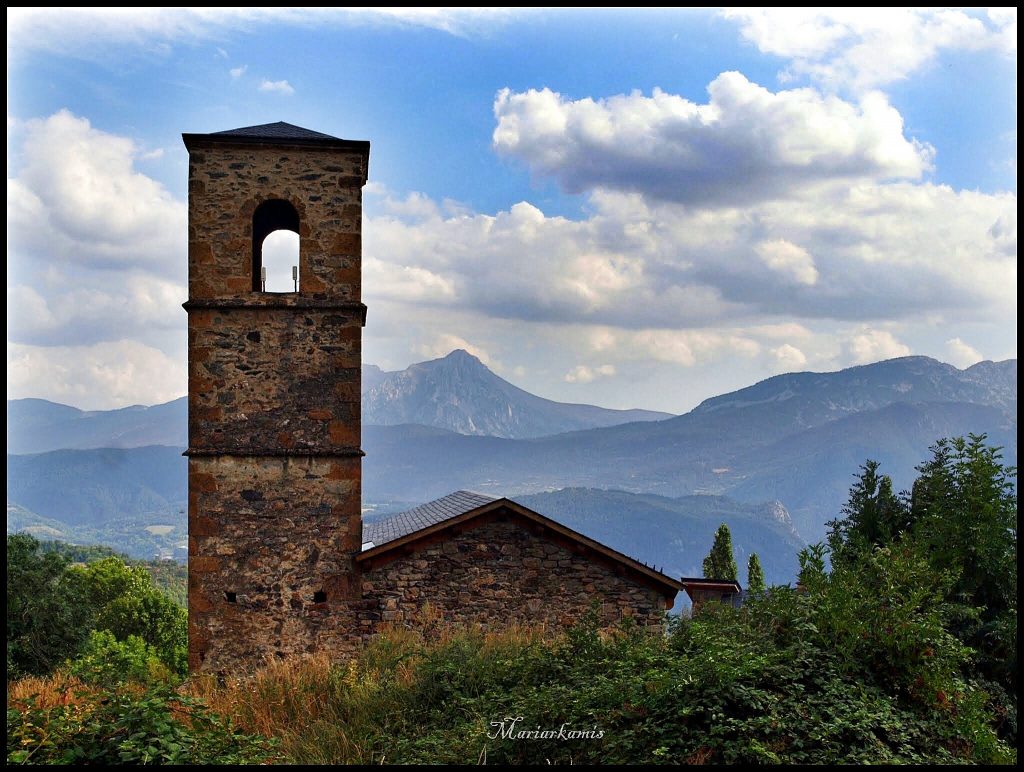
(867, 253)
(871, 345)
(95, 270)
(277, 87)
(445, 343)
(101, 376)
(77, 197)
(744, 145)
(789, 259)
(787, 358)
(962, 354)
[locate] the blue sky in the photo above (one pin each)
(635, 209)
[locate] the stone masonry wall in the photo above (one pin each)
(265, 536)
(501, 573)
(274, 419)
(227, 183)
(274, 378)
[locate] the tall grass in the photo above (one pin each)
(327, 713)
(57, 689)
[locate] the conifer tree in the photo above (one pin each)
(873, 516)
(755, 576)
(720, 563)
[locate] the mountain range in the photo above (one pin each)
(37, 426)
(460, 394)
(456, 392)
(797, 439)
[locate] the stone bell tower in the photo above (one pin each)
(274, 461)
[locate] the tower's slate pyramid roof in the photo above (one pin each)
(279, 130)
(417, 518)
(275, 134)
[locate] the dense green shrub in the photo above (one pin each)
(954, 533)
(116, 727)
(109, 661)
(766, 683)
(759, 684)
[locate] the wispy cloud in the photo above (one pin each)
(586, 374)
(852, 48)
(238, 72)
(88, 30)
(277, 87)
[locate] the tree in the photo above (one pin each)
(961, 519)
(755, 575)
(720, 563)
(964, 504)
(47, 620)
(52, 607)
(872, 517)
(125, 602)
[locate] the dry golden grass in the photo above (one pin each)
(328, 712)
(49, 691)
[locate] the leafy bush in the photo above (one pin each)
(125, 602)
(952, 542)
(116, 727)
(108, 661)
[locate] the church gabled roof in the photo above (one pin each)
(439, 519)
(431, 513)
(279, 133)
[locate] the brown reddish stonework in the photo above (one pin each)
(270, 377)
(276, 531)
(501, 573)
(274, 458)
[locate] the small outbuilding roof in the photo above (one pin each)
(726, 588)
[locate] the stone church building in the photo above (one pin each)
(280, 562)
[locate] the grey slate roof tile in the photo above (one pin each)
(279, 130)
(423, 516)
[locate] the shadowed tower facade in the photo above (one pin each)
(274, 461)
